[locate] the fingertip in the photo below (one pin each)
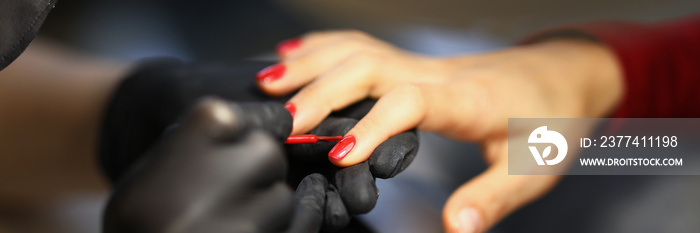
(214, 118)
(267, 79)
(491, 196)
(464, 210)
(343, 163)
(273, 80)
(394, 155)
(284, 48)
(357, 188)
(271, 73)
(341, 150)
(463, 220)
(306, 116)
(291, 108)
(352, 152)
(356, 147)
(449, 224)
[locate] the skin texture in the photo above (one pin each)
(466, 98)
(146, 104)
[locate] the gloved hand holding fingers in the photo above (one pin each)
(352, 190)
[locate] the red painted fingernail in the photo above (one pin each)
(271, 73)
(343, 147)
(291, 108)
(288, 45)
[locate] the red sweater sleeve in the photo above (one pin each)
(660, 64)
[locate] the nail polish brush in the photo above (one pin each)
(310, 139)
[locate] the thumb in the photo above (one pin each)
(482, 202)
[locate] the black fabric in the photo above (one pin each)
(203, 29)
(20, 21)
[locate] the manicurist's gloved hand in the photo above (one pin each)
(218, 171)
(149, 100)
(147, 103)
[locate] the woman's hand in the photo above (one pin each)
(337, 69)
(467, 98)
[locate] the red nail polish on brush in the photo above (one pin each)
(342, 149)
(310, 139)
(271, 73)
(291, 108)
(288, 45)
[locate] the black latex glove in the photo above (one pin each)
(148, 101)
(351, 190)
(218, 171)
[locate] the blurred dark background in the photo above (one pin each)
(231, 30)
(219, 29)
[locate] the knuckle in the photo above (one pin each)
(410, 91)
(394, 155)
(354, 46)
(367, 125)
(214, 111)
(410, 97)
(356, 34)
(268, 164)
(321, 34)
(309, 94)
(365, 59)
(315, 34)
